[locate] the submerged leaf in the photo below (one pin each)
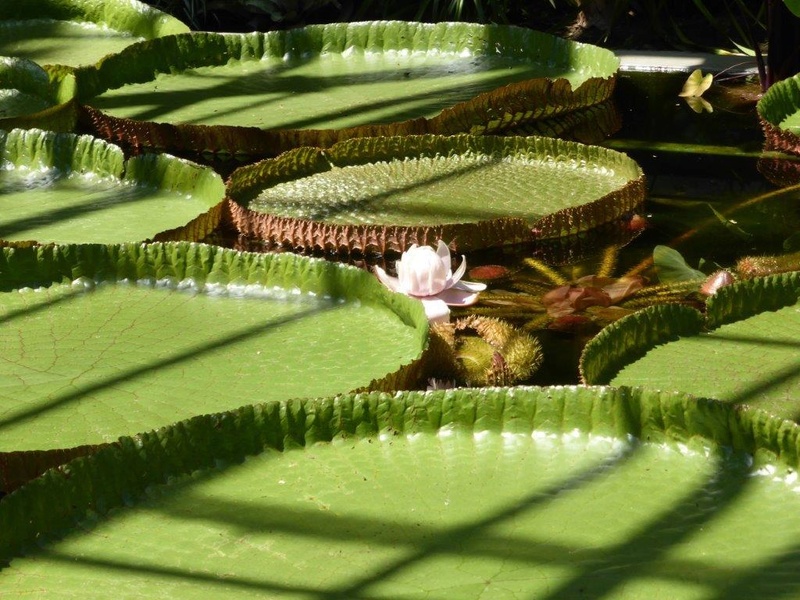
(730, 224)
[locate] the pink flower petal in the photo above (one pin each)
(456, 277)
(469, 286)
(393, 283)
(457, 297)
(436, 310)
(444, 253)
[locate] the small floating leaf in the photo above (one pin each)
(672, 267)
(696, 84)
(693, 90)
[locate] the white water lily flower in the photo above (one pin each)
(425, 273)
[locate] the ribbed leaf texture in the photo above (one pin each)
(383, 194)
(562, 78)
(132, 337)
(528, 489)
(744, 351)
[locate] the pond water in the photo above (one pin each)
(711, 197)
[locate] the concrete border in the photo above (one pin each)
(684, 62)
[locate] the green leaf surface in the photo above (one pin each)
(779, 113)
(746, 352)
(331, 76)
(454, 182)
(24, 88)
(454, 188)
(78, 189)
(101, 341)
(505, 493)
(793, 6)
(78, 32)
(671, 266)
(257, 95)
(780, 106)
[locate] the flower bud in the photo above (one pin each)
(422, 272)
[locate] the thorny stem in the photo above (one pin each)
(550, 274)
(608, 263)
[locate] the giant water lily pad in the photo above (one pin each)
(259, 94)
(78, 32)
(24, 88)
(28, 98)
(100, 341)
(745, 351)
(779, 113)
(68, 189)
(381, 194)
(502, 493)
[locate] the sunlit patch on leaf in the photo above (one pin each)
(79, 32)
(455, 494)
